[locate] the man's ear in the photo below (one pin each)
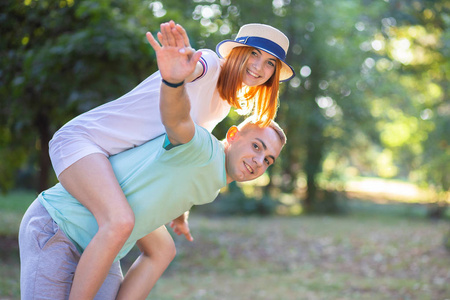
(232, 134)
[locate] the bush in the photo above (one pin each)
(235, 202)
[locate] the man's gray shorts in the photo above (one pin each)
(48, 260)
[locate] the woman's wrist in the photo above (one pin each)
(172, 85)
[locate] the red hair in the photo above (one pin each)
(261, 101)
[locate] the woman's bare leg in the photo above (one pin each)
(92, 182)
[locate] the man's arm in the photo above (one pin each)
(158, 250)
(176, 63)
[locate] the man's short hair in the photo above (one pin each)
(251, 121)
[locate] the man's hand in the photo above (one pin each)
(180, 226)
(176, 59)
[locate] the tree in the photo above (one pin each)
(60, 58)
(418, 46)
(369, 95)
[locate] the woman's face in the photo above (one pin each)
(260, 67)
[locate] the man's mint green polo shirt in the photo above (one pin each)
(161, 182)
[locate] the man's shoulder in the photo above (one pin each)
(206, 145)
(202, 135)
(200, 149)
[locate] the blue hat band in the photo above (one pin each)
(263, 43)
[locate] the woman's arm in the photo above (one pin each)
(176, 63)
(158, 250)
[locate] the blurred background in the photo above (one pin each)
(367, 162)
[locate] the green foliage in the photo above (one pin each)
(60, 59)
(369, 97)
(360, 95)
(235, 202)
(414, 124)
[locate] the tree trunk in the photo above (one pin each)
(315, 139)
(42, 124)
(313, 162)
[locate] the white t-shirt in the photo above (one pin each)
(134, 118)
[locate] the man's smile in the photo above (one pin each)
(250, 169)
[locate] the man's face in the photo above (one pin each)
(251, 152)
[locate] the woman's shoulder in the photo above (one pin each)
(209, 53)
(210, 58)
(210, 66)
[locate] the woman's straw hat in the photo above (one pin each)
(263, 37)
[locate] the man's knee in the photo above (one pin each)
(168, 251)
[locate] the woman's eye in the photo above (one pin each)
(267, 161)
(254, 53)
(271, 64)
(255, 146)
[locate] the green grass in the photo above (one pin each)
(9, 279)
(358, 256)
(374, 257)
(12, 208)
(17, 201)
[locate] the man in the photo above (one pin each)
(161, 179)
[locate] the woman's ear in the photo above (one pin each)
(232, 134)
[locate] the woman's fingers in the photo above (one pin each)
(152, 41)
(167, 37)
(184, 35)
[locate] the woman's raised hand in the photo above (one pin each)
(176, 59)
(169, 32)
